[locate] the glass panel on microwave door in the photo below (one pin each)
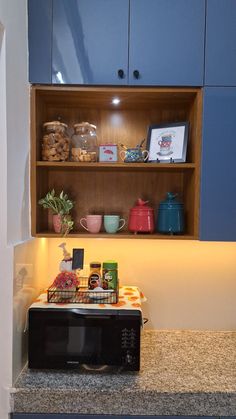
(81, 339)
(73, 341)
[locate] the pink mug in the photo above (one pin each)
(93, 223)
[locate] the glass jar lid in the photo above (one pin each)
(52, 124)
(84, 126)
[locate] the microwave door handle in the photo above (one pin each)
(98, 317)
(90, 316)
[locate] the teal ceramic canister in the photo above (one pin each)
(170, 217)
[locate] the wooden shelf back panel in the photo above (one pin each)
(116, 193)
(127, 123)
(130, 97)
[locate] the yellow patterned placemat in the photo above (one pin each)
(130, 298)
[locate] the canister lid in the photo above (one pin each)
(170, 202)
(141, 207)
(110, 264)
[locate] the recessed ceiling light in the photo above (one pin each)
(116, 101)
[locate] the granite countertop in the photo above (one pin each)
(182, 373)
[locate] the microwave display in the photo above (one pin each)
(67, 338)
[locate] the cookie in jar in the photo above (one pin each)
(84, 146)
(56, 143)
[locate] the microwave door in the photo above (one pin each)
(60, 338)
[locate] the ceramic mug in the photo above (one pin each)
(92, 224)
(134, 155)
(112, 223)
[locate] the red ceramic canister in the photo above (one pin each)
(141, 218)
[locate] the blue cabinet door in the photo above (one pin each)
(218, 172)
(40, 41)
(167, 42)
(90, 41)
(220, 67)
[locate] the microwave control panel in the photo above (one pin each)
(130, 347)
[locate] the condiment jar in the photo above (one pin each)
(141, 218)
(170, 218)
(55, 144)
(94, 279)
(84, 146)
(110, 275)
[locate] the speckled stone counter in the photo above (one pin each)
(182, 373)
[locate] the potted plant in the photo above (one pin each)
(60, 206)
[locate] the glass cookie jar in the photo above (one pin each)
(84, 146)
(55, 144)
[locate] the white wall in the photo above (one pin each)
(18, 139)
(188, 284)
(5, 251)
(14, 178)
(30, 279)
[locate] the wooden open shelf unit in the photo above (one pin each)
(113, 188)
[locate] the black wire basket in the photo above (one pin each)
(82, 295)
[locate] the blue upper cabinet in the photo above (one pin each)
(218, 174)
(90, 41)
(117, 42)
(40, 41)
(220, 66)
(167, 42)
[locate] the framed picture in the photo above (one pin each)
(168, 142)
(108, 153)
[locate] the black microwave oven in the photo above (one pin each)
(65, 338)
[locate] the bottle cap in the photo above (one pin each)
(110, 264)
(95, 265)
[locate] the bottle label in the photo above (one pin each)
(110, 279)
(94, 281)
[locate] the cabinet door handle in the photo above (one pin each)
(136, 74)
(121, 73)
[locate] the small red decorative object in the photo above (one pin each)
(66, 280)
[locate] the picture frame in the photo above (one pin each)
(167, 143)
(108, 153)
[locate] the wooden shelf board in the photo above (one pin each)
(124, 235)
(111, 166)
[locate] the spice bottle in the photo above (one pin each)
(94, 279)
(55, 144)
(84, 146)
(110, 275)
